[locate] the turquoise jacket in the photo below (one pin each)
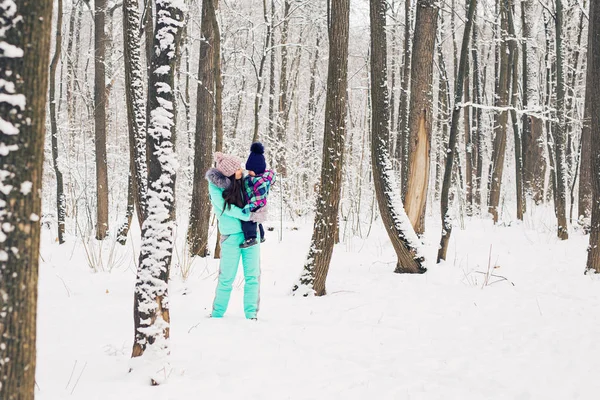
(228, 217)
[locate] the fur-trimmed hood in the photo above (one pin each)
(215, 177)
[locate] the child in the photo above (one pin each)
(256, 188)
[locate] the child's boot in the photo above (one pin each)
(248, 243)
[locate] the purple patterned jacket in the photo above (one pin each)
(256, 190)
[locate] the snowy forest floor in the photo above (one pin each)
(445, 334)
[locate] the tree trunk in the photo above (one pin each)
(136, 106)
(585, 176)
(314, 276)
(100, 120)
(452, 142)
(560, 199)
(500, 118)
(123, 230)
(60, 195)
(534, 165)
(420, 112)
(151, 307)
(259, 72)
(218, 98)
(402, 148)
(200, 208)
(148, 21)
(469, 161)
(398, 226)
(443, 117)
(25, 35)
(593, 76)
(514, 66)
(271, 123)
(477, 136)
(283, 105)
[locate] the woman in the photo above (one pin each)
(225, 190)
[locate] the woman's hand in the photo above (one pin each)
(259, 215)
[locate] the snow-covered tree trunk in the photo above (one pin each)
(534, 165)
(25, 30)
(452, 142)
(283, 102)
(60, 195)
(584, 204)
(396, 222)
(500, 117)
(477, 135)
(136, 111)
(151, 308)
(420, 113)
(560, 140)
(100, 119)
(197, 235)
(514, 96)
(593, 80)
(314, 276)
(402, 148)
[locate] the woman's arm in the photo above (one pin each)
(216, 198)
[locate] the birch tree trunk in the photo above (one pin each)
(314, 276)
(398, 226)
(151, 306)
(25, 30)
(420, 113)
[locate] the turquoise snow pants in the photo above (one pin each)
(230, 259)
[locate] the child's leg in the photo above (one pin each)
(249, 229)
(262, 231)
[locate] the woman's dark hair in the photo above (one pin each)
(233, 194)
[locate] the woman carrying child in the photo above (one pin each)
(225, 188)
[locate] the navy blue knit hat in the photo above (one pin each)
(256, 160)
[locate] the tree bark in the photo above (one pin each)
(477, 135)
(218, 98)
(197, 235)
(560, 198)
(283, 103)
(100, 119)
(399, 229)
(314, 275)
(136, 106)
(60, 194)
(420, 112)
(593, 76)
(585, 176)
(151, 305)
(500, 119)
(514, 67)
(403, 148)
(534, 165)
(452, 142)
(25, 35)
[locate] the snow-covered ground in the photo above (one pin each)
(531, 332)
